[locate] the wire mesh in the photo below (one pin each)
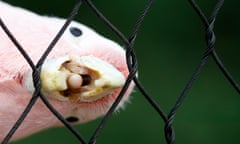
(132, 62)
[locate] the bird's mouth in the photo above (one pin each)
(74, 78)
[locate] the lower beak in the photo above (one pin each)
(73, 78)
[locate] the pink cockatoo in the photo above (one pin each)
(81, 77)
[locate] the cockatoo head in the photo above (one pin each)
(81, 77)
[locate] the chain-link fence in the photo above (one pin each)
(132, 62)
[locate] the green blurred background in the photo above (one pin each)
(169, 46)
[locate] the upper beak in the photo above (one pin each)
(84, 78)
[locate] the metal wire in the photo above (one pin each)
(210, 39)
(132, 63)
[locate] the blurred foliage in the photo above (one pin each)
(169, 46)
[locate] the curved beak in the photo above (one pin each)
(73, 78)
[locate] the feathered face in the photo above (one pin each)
(82, 76)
